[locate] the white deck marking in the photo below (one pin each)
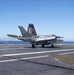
(24, 58)
(66, 53)
(9, 60)
(58, 60)
(34, 57)
(35, 52)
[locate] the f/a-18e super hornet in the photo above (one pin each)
(31, 36)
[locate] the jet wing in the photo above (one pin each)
(45, 39)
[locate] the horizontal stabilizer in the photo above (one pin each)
(12, 35)
(64, 59)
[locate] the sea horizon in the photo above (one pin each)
(22, 42)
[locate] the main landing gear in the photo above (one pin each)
(52, 46)
(33, 45)
(42, 45)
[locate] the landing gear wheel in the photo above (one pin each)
(42, 45)
(33, 46)
(52, 46)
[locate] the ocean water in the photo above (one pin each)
(67, 42)
(14, 42)
(21, 42)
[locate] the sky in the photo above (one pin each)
(48, 16)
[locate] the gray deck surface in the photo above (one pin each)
(24, 60)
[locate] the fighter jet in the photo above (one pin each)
(31, 36)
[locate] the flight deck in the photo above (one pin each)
(20, 59)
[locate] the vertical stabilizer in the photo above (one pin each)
(23, 31)
(32, 30)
